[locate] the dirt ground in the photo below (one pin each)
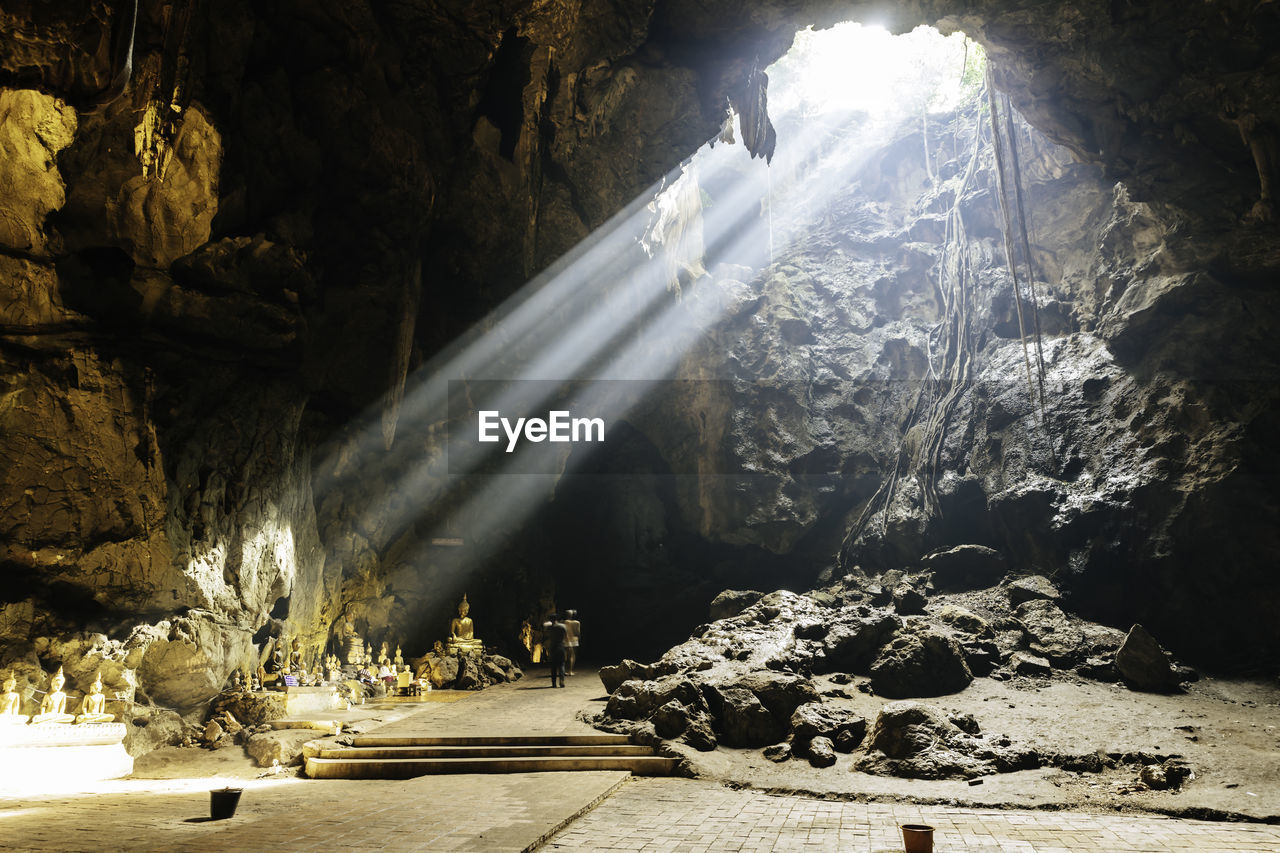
(1228, 730)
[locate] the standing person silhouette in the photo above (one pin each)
(573, 629)
(553, 639)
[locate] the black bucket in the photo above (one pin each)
(223, 802)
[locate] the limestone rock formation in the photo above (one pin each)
(920, 662)
(285, 746)
(1144, 665)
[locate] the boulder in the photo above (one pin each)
(613, 676)
(493, 673)
(907, 600)
(814, 719)
(918, 742)
(1025, 663)
(1144, 665)
(1050, 632)
(906, 729)
(283, 746)
(444, 672)
(469, 676)
(778, 753)
(847, 741)
(731, 602)
(699, 734)
(780, 692)
(982, 656)
(821, 752)
(151, 728)
(920, 662)
(853, 642)
(638, 700)
(963, 620)
(212, 732)
(251, 709)
(965, 567)
(1031, 588)
(671, 720)
(743, 720)
(965, 722)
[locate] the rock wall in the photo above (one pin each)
(228, 234)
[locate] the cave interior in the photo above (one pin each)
(261, 265)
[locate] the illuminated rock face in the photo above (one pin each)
(202, 283)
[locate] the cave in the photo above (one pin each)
(863, 351)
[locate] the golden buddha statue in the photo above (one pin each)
(462, 632)
(11, 704)
(54, 706)
(93, 708)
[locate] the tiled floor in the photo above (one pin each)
(690, 815)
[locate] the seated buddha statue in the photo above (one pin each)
(462, 632)
(54, 706)
(11, 704)
(93, 708)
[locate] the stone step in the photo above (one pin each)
(455, 751)
(494, 740)
(407, 768)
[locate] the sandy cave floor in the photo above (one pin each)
(1228, 730)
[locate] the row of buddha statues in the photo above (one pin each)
(461, 638)
(53, 708)
(285, 658)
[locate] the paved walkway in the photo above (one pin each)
(692, 815)
(521, 812)
(465, 812)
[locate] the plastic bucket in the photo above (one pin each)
(223, 802)
(917, 838)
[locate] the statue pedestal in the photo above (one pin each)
(300, 701)
(62, 754)
(475, 648)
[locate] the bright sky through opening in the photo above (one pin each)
(851, 67)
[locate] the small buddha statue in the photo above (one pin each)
(295, 657)
(383, 658)
(11, 704)
(53, 709)
(399, 658)
(352, 644)
(279, 658)
(462, 632)
(93, 708)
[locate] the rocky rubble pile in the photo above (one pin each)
(749, 679)
(466, 672)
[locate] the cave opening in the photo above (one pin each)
(853, 106)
